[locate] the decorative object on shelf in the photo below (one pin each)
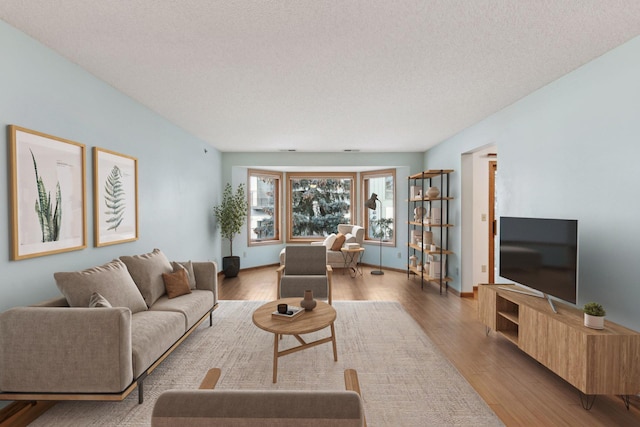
(371, 204)
(433, 248)
(418, 213)
(594, 315)
(427, 238)
(230, 216)
(434, 269)
(412, 261)
(308, 303)
(435, 216)
(433, 192)
(415, 192)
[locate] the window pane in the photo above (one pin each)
(318, 205)
(263, 198)
(380, 222)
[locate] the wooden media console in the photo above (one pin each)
(594, 361)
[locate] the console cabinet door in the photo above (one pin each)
(487, 306)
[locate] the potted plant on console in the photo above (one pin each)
(594, 315)
(230, 216)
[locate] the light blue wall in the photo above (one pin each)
(178, 182)
(571, 150)
(234, 170)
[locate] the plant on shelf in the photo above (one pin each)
(594, 315)
(230, 216)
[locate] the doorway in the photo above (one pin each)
(493, 222)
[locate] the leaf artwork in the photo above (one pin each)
(49, 223)
(114, 199)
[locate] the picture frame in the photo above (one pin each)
(47, 172)
(115, 197)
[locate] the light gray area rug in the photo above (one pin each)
(405, 380)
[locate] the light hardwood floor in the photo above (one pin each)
(520, 390)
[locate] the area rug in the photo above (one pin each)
(405, 380)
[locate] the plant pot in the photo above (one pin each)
(231, 266)
(593, 322)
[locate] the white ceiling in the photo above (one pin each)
(314, 75)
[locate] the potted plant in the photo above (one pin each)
(230, 216)
(594, 315)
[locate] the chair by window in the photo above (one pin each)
(305, 268)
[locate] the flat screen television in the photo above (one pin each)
(541, 254)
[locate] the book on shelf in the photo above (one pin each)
(292, 313)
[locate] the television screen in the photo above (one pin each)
(541, 254)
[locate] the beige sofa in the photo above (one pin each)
(335, 258)
(87, 347)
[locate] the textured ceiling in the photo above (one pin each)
(313, 75)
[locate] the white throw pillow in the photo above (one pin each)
(349, 238)
(328, 242)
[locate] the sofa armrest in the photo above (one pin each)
(206, 273)
(65, 350)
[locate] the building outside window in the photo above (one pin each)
(264, 207)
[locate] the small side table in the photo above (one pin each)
(351, 262)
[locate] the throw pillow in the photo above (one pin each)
(190, 274)
(176, 283)
(146, 271)
(349, 238)
(111, 280)
(328, 242)
(338, 242)
(98, 300)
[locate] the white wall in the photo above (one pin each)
(178, 181)
(570, 150)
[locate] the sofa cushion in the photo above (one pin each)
(146, 271)
(337, 244)
(98, 300)
(176, 283)
(190, 273)
(328, 242)
(111, 280)
(193, 306)
(349, 238)
(152, 333)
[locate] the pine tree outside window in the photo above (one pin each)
(381, 221)
(317, 203)
(264, 207)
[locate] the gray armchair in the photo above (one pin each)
(305, 268)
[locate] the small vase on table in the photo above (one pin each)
(308, 303)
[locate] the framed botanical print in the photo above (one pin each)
(48, 190)
(115, 197)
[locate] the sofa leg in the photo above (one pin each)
(141, 388)
(210, 318)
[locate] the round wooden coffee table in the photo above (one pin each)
(310, 321)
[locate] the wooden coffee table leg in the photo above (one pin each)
(333, 340)
(275, 358)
